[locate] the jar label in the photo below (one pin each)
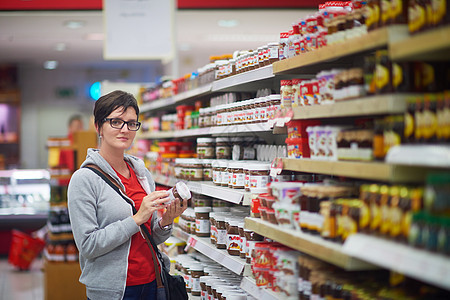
(233, 242)
(195, 287)
(213, 231)
(221, 237)
(238, 179)
(243, 244)
(205, 151)
(202, 226)
(258, 181)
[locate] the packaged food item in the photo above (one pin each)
(180, 191)
(259, 177)
(233, 238)
(206, 148)
(373, 14)
(383, 72)
(202, 221)
(286, 92)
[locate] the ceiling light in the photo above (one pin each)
(74, 24)
(50, 64)
(228, 23)
(60, 47)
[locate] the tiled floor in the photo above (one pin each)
(21, 285)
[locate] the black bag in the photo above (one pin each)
(169, 287)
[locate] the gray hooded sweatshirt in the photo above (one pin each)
(102, 226)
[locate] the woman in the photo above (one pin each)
(115, 260)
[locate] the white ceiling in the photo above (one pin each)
(30, 38)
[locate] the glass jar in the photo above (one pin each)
(207, 170)
(286, 93)
(196, 272)
(223, 148)
(233, 238)
(273, 52)
(259, 177)
(205, 148)
(221, 242)
(202, 222)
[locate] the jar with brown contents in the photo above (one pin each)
(207, 169)
(221, 242)
(196, 272)
(233, 238)
(243, 241)
(213, 230)
(223, 148)
(205, 148)
(202, 222)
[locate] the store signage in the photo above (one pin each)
(138, 29)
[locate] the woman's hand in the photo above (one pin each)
(174, 209)
(149, 205)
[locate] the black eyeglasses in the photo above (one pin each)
(118, 124)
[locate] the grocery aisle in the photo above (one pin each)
(21, 285)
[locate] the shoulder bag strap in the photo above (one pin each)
(148, 238)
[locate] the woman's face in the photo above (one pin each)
(118, 139)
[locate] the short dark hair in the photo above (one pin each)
(106, 104)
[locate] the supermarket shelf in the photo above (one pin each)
(244, 79)
(216, 130)
(157, 135)
(433, 156)
(208, 188)
(241, 128)
(178, 233)
(248, 284)
(309, 244)
(373, 40)
(156, 104)
(364, 170)
(429, 45)
(200, 91)
(422, 265)
(373, 105)
(192, 132)
(233, 263)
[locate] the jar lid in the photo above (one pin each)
(232, 222)
(206, 140)
(235, 165)
(183, 190)
(259, 166)
(221, 209)
(202, 209)
(223, 163)
(206, 161)
(222, 140)
(196, 267)
(219, 217)
(235, 295)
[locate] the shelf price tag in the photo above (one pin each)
(276, 167)
(190, 243)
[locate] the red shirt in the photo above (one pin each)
(140, 263)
